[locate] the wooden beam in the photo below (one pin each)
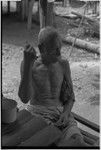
(87, 123)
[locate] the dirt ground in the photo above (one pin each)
(84, 66)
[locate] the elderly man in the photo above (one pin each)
(42, 85)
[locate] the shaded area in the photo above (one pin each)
(15, 31)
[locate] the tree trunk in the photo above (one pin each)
(90, 47)
(42, 12)
(46, 13)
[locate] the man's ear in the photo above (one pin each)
(40, 48)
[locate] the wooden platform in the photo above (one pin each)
(30, 131)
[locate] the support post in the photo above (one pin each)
(50, 14)
(30, 12)
(42, 12)
(46, 13)
(8, 9)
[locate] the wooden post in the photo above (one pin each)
(18, 6)
(42, 12)
(23, 9)
(30, 12)
(8, 3)
(26, 8)
(46, 13)
(50, 14)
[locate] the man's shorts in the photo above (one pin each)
(52, 115)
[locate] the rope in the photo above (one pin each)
(78, 29)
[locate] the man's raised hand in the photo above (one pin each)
(29, 53)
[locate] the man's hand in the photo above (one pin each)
(63, 120)
(29, 53)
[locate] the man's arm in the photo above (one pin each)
(26, 70)
(68, 95)
(24, 92)
(69, 101)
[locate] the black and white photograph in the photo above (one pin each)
(50, 74)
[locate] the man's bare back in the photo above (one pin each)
(46, 83)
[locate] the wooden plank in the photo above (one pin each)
(24, 132)
(26, 8)
(87, 122)
(45, 137)
(50, 14)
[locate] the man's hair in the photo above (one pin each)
(49, 41)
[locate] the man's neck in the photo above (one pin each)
(50, 60)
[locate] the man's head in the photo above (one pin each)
(49, 42)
